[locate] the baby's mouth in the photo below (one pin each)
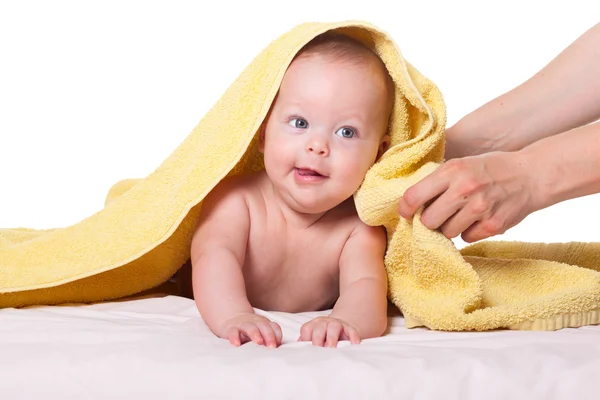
(307, 172)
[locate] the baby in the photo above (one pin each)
(288, 238)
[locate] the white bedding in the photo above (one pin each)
(159, 348)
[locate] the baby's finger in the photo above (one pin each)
(306, 331)
(352, 334)
(234, 337)
(252, 331)
(278, 334)
(266, 330)
(318, 334)
(334, 331)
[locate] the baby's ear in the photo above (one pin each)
(383, 146)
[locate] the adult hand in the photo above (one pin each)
(478, 196)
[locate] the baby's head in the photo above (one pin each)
(328, 123)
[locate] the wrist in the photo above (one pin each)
(473, 135)
(223, 325)
(546, 173)
(534, 180)
(565, 166)
(367, 327)
(335, 314)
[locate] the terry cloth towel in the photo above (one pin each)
(142, 235)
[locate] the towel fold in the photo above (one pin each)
(142, 236)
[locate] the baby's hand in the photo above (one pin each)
(252, 327)
(326, 331)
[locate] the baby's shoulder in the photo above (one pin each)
(231, 187)
(347, 216)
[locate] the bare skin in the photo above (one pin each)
(289, 264)
(526, 150)
(289, 238)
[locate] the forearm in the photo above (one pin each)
(563, 95)
(219, 288)
(363, 304)
(564, 166)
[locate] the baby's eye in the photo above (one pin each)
(299, 123)
(347, 133)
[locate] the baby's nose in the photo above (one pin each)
(318, 146)
(318, 150)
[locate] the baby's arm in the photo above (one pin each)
(217, 253)
(361, 310)
(363, 282)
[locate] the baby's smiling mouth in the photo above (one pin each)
(309, 172)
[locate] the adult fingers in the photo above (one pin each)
(495, 224)
(441, 210)
(417, 195)
(473, 211)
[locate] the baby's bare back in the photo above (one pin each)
(289, 267)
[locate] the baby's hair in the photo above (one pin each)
(339, 47)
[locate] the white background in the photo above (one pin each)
(94, 92)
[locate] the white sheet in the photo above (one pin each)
(159, 348)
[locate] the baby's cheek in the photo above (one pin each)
(279, 156)
(354, 175)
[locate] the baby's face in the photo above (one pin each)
(325, 130)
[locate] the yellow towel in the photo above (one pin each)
(143, 234)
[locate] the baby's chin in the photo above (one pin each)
(311, 205)
(310, 208)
